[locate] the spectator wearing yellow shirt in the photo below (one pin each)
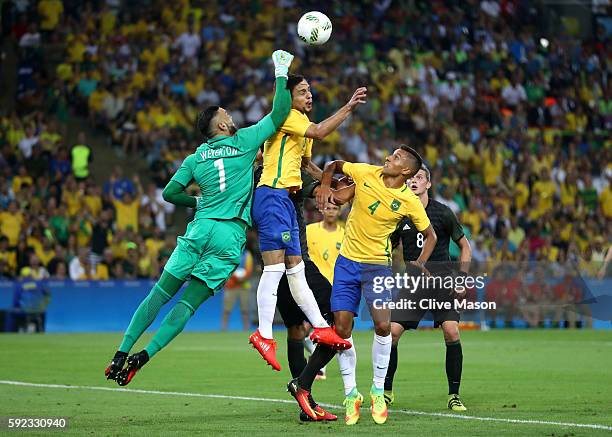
(431, 150)
(49, 138)
(464, 150)
(82, 227)
(77, 45)
(154, 243)
(472, 216)
(127, 208)
(492, 166)
(46, 251)
(521, 191)
(11, 222)
(108, 20)
(576, 121)
(7, 254)
(93, 200)
(545, 189)
(51, 12)
(72, 196)
(22, 178)
(104, 269)
(543, 160)
(95, 102)
(605, 199)
(516, 234)
(118, 245)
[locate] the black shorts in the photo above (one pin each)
(321, 288)
(428, 298)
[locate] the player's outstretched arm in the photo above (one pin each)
(281, 104)
(324, 194)
(318, 131)
(175, 194)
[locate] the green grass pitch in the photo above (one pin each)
(547, 375)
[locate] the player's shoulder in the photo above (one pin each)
(297, 114)
(435, 205)
(362, 168)
(295, 118)
(192, 159)
(408, 196)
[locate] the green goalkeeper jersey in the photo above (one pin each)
(223, 169)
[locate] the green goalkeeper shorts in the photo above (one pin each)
(210, 250)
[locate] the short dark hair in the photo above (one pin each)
(204, 119)
(418, 161)
(293, 80)
(427, 172)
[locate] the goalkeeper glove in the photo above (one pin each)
(282, 61)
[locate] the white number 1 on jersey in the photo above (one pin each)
(219, 165)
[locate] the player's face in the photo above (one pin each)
(225, 121)
(399, 163)
(419, 183)
(301, 97)
(331, 213)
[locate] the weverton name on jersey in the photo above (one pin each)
(220, 152)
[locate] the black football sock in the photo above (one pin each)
(295, 356)
(319, 358)
(392, 368)
(454, 365)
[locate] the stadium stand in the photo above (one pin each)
(515, 128)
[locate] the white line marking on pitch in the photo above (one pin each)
(286, 401)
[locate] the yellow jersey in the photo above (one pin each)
(324, 247)
(283, 152)
(375, 214)
(127, 214)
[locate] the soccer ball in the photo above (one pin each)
(314, 28)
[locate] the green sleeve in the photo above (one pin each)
(184, 175)
(255, 135)
(281, 105)
(175, 194)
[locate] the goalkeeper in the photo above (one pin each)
(211, 248)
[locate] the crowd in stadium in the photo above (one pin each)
(469, 84)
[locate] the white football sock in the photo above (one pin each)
(347, 361)
(266, 297)
(302, 295)
(309, 345)
(381, 352)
